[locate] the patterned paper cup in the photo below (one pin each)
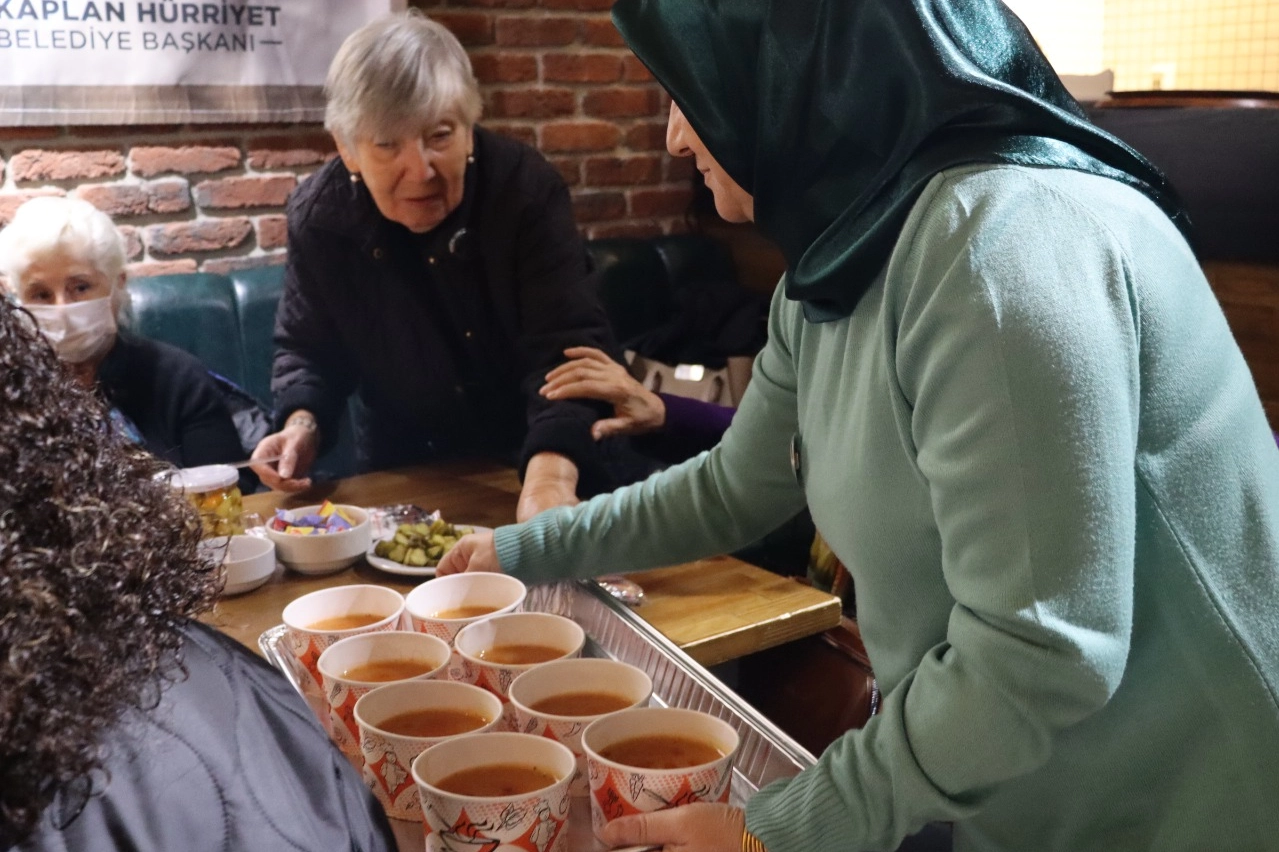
(310, 617)
(621, 789)
(578, 688)
(445, 605)
(477, 644)
(534, 821)
(388, 756)
(349, 669)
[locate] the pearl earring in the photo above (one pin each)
(355, 177)
(470, 158)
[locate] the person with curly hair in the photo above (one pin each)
(124, 723)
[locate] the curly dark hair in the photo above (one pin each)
(99, 571)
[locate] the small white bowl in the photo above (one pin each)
(247, 561)
(323, 553)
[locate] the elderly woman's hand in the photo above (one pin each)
(475, 552)
(550, 480)
(593, 375)
(689, 828)
(296, 446)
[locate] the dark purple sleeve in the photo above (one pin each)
(695, 418)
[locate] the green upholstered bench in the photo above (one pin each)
(227, 320)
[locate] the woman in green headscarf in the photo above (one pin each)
(1000, 381)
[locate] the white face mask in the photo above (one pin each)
(80, 331)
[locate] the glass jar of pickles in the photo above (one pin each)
(215, 492)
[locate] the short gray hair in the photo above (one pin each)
(396, 75)
(49, 224)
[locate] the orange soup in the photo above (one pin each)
(520, 655)
(661, 752)
(465, 612)
(581, 704)
(433, 723)
(504, 779)
(347, 622)
(386, 670)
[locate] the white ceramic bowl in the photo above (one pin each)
(326, 552)
(249, 562)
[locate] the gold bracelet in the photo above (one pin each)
(751, 843)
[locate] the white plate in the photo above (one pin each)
(392, 567)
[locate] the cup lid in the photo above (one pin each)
(210, 477)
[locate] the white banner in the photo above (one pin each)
(55, 53)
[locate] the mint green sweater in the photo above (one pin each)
(1040, 454)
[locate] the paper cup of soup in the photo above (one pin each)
(495, 651)
(399, 721)
(445, 605)
(317, 620)
(495, 791)
(559, 699)
(351, 667)
(654, 758)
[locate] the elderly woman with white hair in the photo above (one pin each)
(63, 261)
(436, 270)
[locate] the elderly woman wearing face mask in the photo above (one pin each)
(63, 260)
(435, 270)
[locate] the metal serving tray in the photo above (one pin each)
(614, 631)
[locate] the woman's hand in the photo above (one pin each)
(296, 445)
(475, 552)
(550, 480)
(701, 827)
(593, 375)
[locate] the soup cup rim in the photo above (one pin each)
(592, 754)
(443, 666)
(557, 717)
(567, 655)
(355, 710)
(451, 742)
(449, 580)
(350, 631)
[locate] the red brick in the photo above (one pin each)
(633, 71)
(578, 5)
(11, 201)
(523, 31)
(632, 230)
(505, 67)
(531, 103)
(239, 192)
(28, 134)
(169, 196)
(601, 33)
(132, 241)
(649, 136)
(204, 235)
(224, 265)
(660, 202)
(148, 161)
(580, 136)
(115, 199)
(598, 206)
(523, 132)
(273, 232)
(471, 28)
(40, 164)
(288, 152)
(622, 103)
(570, 169)
(680, 169)
(581, 68)
(503, 4)
(147, 269)
(627, 171)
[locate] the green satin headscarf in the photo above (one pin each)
(834, 114)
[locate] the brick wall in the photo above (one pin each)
(554, 73)
(557, 75)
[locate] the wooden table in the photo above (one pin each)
(716, 609)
